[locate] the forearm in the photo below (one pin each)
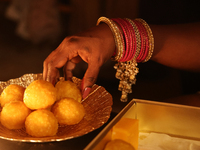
(177, 46)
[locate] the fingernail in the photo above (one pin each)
(86, 91)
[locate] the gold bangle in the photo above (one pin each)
(117, 36)
(138, 38)
(151, 39)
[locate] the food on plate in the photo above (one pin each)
(12, 92)
(13, 115)
(36, 108)
(39, 94)
(68, 89)
(41, 123)
(68, 111)
(118, 144)
(126, 129)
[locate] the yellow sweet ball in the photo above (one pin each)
(118, 144)
(12, 92)
(68, 111)
(13, 115)
(39, 94)
(68, 89)
(41, 123)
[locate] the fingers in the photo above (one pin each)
(89, 78)
(68, 68)
(50, 66)
(57, 59)
(52, 75)
(45, 64)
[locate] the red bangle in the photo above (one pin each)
(132, 39)
(136, 40)
(150, 38)
(144, 42)
(129, 36)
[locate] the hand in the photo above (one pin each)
(94, 46)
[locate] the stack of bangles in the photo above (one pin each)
(134, 43)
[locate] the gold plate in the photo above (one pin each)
(98, 106)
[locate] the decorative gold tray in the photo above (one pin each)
(98, 106)
(174, 125)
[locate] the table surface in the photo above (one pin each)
(78, 143)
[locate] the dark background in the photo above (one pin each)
(155, 82)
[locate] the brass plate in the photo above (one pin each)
(98, 106)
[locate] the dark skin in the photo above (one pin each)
(176, 46)
(95, 46)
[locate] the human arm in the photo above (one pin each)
(177, 46)
(95, 46)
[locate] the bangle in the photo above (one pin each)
(137, 37)
(151, 39)
(119, 42)
(134, 43)
(127, 40)
(144, 42)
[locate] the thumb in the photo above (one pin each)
(89, 79)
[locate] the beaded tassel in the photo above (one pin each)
(126, 72)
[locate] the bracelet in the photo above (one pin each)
(128, 39)
(137, 37)
(134, 43)
(151, 39)
(145, 42)
(117, 36)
